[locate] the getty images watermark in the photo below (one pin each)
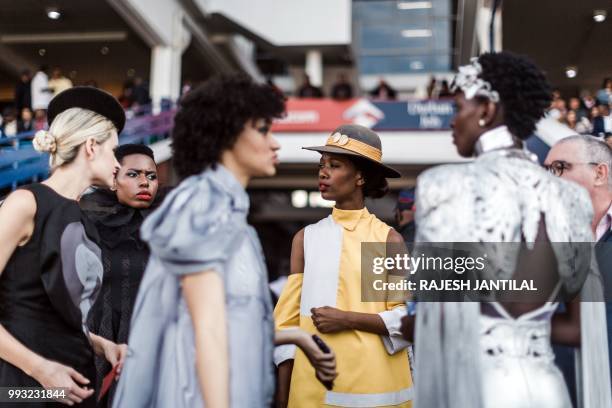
(458, 272)
(458, 265)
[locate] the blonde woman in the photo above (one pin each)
(50, 268)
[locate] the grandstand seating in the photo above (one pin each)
(21, 164)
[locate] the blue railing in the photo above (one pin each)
(21, 164)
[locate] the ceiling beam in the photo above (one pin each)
(243, 60)
(13, 62)
(137, 22)
(203, 43)
(91, 36)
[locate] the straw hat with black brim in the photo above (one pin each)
(358, 141)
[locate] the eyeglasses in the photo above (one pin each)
(557, 167)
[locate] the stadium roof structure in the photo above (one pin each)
(562, 33)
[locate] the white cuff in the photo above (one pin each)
(394, 342)
(283, 353)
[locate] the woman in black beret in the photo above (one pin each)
(118, 214)
(50, 266)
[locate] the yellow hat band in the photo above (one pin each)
(345, 142)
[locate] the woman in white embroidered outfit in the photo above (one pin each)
(498, 354)
(323, 294)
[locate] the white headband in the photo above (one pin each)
(467, 81)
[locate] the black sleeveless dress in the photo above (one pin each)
(47, 288)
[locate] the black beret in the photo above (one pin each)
(88, 97)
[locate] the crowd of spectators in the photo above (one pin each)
(308, 90)
(342, 89)
(135, 94)
(438, 89)
(33, 93)
(14, 122)
(383, 92)
(31, 98)
(586, 114)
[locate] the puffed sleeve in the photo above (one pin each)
(195, 229)
(287, 315)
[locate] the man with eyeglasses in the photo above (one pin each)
(587, 160)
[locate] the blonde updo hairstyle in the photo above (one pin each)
(69, 130)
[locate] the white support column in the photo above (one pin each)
(166, 64)
(484, 25)
(163, 65)
(314, 67)
(483, 19)
(167, 27)
(499, 44)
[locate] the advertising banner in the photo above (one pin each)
(324, 115)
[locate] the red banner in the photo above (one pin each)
(324, 115)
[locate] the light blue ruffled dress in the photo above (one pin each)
(200, 226)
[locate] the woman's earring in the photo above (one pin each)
(114, 186)
(482, 123)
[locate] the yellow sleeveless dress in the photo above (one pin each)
(373, 370)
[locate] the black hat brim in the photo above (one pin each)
(387, 171)
(90, 98)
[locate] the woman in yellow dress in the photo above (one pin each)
(323, 295)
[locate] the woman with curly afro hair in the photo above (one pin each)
(202, 330)
(212, 118)
(495, 349)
